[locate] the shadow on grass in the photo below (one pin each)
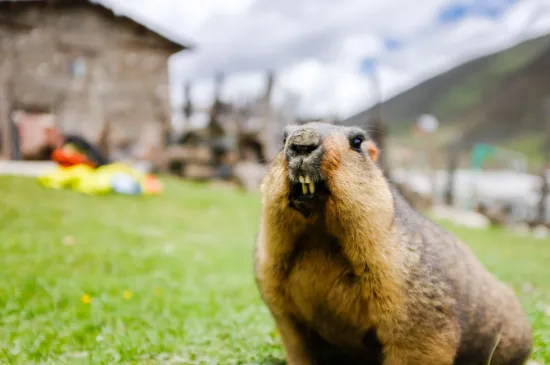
(328, 360)
(272, 361)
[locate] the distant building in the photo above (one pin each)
(86, 67)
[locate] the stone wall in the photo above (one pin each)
(88, 66)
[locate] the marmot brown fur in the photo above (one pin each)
(351, 272)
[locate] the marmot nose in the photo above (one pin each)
(304, 142)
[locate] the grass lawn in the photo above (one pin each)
(103, 280)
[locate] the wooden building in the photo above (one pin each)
(85, 67)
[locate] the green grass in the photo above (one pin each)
(184, 260)
(532, 146)
(522, 262)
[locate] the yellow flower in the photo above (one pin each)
(86, 299)
(158, 291)
(127, 295)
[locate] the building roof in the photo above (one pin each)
(175, 41)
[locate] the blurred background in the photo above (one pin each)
(202, 89)
(456, 93)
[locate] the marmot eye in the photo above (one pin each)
(355, 142)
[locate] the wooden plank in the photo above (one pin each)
(198, 172)
(5, 99)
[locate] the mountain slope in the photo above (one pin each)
(513, 107)
(475, 92)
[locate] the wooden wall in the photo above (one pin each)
(87, 66)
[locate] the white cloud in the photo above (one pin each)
(316, 46)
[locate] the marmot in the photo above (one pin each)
(350, 272)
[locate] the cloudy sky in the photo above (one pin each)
(325, 50)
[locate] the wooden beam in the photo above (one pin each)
(547, 133)
(11, 24)
(270, 80)
(379, 135)
(6, 70)
(452, 165)
(545, 182)
(188, 104)
(214, 127)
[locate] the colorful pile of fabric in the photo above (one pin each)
(107, 179)
(81, 167)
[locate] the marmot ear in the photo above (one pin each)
(373, 151)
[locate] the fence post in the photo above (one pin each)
(452, 164)
(379, 136)
(6, 69)
(545, 183)
(187, 106)
(432, 158)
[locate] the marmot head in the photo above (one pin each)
(323, 166)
